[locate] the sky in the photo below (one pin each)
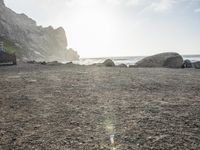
(104, 28)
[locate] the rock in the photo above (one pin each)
(196, 64)
(108, 63)
(169, 60)
(132, 66)
(53, 63)
(97, 64)
(122, 65)
(32, 62)
(38, 43)
(7, 58)
(72, 55)
(43, 63)
(2, 2)
(187, 64)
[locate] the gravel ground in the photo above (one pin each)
(71, 107)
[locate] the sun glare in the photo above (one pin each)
(92, 27)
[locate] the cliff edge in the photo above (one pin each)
(37, 43)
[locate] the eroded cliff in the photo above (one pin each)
(37, 43)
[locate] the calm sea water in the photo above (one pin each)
(126, 60)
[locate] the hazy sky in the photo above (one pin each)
(97, 28)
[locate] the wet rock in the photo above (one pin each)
(187, 64)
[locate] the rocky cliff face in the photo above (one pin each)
(72, 55)
(2, 2)
(37, 42)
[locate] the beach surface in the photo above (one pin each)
(71, 107)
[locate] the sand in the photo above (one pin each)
(71, 107)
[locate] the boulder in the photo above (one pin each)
(187, 64)
(196, 64)
(122, 65)
(168, 60)
(108, 63)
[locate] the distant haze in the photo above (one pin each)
(98, 28)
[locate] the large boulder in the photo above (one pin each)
(168, 60)
(108, 63)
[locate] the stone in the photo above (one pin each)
(168, 60)
(122, 65)
(196, 64)
(108, 63)
(187, 64)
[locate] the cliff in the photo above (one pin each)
(35, 42)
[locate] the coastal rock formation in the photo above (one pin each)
(169, 60)
(38, 43)
(108, 63)
(72, 55)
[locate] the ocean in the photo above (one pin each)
(130, 60)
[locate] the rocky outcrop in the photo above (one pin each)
(72, 55)
(38, 43)
(2, 2)
(169, 60)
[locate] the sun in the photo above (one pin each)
(92, 27)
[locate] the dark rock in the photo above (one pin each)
(196, 65)
(54, 63)
(31, 62)
(122, 65)
(7, 58)
(168, 60)
(43, 63)
(187, 64)
(109, 63)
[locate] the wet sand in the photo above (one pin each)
(71, 107)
